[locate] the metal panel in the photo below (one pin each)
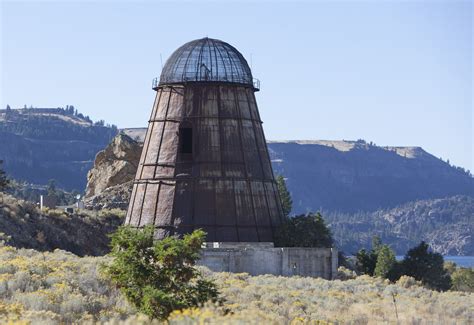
(260, 204)
(273, 209)
(228, 104)
(183, 204)
(243, 204)
(149, 204)
(225, 204)
(164, 207)
(169, 144)
(176, 102)
(163, 103)
(138, 204)
(205, 202)
(252, 159)
(152, 150)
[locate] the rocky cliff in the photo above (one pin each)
(446, 224)
(109, 181)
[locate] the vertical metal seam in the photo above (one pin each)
(199, 61)
(268, 207)
(156, 204)
(235, 209)
(269, 161)
(231, 61)
(253, 208)
(214, 184)
(134, 194)
(244, 160)
(187, 60)
(172, 226)
(278, 200)
(210, 57)
(215, 55)
(221, 134)
(223, 63)
(141, 205)
(255, 135)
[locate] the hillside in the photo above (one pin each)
(42, 144)
(352, 176)
(22, 224)
(445, 224)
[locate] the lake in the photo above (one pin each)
(464, 261)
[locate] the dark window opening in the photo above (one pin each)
(186, 140)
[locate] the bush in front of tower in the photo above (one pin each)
(308, 230)
(158, 277)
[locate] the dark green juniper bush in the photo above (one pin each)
(308, 230)
(3, 178)
(158, 277)
(285, 196)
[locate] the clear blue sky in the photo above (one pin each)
(396, 73)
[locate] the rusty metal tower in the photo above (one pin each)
(205, 162)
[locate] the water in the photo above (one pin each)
(464, 261)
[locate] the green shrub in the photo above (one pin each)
(158, 277)
(463, 279)
(385, 261)
(304, 231)
(285, 196)
(3, 178)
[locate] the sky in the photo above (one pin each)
(398, 73)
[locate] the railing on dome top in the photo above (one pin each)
(256, 84)
(156, 82)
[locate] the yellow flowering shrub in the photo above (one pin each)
(59, 287)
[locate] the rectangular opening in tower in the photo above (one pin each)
(186, 140)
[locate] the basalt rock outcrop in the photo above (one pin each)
(109, 181)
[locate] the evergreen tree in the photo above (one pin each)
(427, 267)
(304, 231)
(366, 261)
(3, 178)
(385, 261)
(52, 188)
(285, 196)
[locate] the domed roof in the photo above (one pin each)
(206, 59)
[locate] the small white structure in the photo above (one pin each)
(264, 258)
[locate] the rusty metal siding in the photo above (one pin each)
(164, 207)
(149, 204)
(228, 188)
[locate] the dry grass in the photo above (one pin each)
(59, 287)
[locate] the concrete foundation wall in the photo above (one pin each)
(285, 261)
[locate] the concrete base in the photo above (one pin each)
(263, 258)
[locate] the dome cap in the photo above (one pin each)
(208, 60)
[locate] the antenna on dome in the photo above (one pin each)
(251, 61)
(161, 60)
